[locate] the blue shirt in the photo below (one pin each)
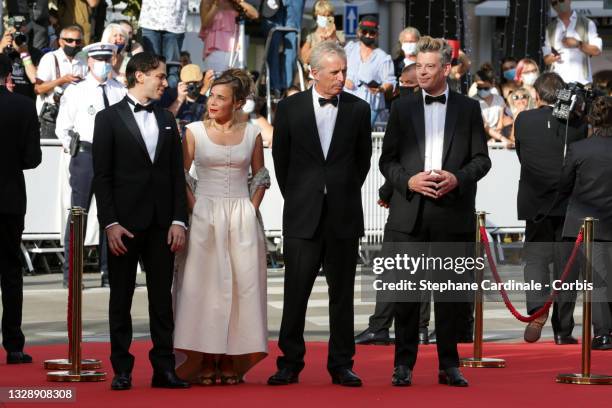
(378, 67)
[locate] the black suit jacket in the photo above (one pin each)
(540, 140)
(303, 172)
(20, 149)
(129, 188)
(465, 154)
(587, 183)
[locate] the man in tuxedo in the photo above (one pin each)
(322, 148)
(139, 185)
(20, 151)
(541, 143)
(434, 152)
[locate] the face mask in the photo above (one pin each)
(249, 106)
(530, 78)
(71, 51)
(322, 21)
(562, 7)
(120, 48)
(509, 74)
(101, 69)
(484, 93)
(406, 90)
(409, 48)
(367, 41)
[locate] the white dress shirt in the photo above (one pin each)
(46, 71)
(79, 107)
(435, 119)
(571, 66)
(326, 120)
(147, 124)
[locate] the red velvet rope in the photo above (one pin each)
(70, 273)
(544, 309)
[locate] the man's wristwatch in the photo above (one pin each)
(580, 45)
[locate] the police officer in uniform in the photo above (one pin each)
(75, 125)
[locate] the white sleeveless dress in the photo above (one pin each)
(220, 287)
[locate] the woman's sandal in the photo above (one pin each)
(230, 379)
(209, 379)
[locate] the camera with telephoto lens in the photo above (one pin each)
(573, 101)
(17, 22)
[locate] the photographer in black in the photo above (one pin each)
(586, 182)
(36, 12)
(17, 45)
(541, 142)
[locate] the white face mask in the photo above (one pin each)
(249, 106)
(101, 69)
(409, 48)
(484, 93)
(322, 21)
(530, 78)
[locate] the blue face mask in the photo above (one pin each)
(101, 69)
(509, 74)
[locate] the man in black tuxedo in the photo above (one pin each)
(321, 150)
(20, 151)
(139, 185)
(434, 152)
(541, 145)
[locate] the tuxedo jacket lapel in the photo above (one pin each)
(342, 122)
(452, 111)
(125, 113)
(418, 119)
(312, 132)
(161, 125)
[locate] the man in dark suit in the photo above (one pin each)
(139, 185)
(322, 148)
(540, 145)
(434, 152)
(20, 151)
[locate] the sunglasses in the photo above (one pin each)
(72, 40)
(518, 97)
(555, 2)
(483, 88)
(369, 33)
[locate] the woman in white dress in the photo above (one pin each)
(220, 286)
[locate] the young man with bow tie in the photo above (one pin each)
(140, 190)
(322, 147)
(434, 152)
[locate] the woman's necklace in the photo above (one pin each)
(218, 128)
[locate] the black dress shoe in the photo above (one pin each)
(453, 377)
(369, 336)
(121, 382)
(346, 377)
(18, 357)
(284, 376)
(167, 379)
(560, 340)
(402, 376)
(603, 342)
(423, 335)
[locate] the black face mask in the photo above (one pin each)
(368, 41)
(406, 90)
(71, 51)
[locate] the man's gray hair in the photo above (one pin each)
(409, 30)
(324, 49)
(439, 45)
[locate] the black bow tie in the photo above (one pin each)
(333, 101)
(138, 107)
(431, 99)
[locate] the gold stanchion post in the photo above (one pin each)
(478, 361)
(74, 372)
(585, 377)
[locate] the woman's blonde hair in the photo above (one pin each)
(322, 7)
(110, 29)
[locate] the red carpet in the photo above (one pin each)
(528, 380)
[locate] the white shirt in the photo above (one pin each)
(570, 68)
(326, 120)
(79, 107)
(147, 124)
(435, 119)
(164, 15)
(493, 112)
(46, 71)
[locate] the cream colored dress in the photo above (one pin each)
(220, 285)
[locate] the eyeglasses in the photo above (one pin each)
(72, 40)
(518, 97)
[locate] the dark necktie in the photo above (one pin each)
(431, 99)
(333, 101)
(138, 107)
(106, 104)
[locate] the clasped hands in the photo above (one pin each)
(433, 183)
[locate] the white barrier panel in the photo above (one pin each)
(496, 194)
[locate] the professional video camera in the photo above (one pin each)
(573, 101)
